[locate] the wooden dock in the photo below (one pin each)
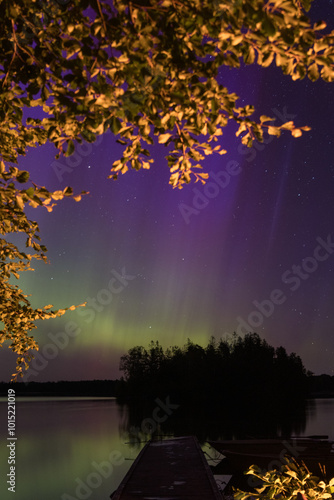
(169, 469)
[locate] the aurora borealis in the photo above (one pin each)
(253, 248)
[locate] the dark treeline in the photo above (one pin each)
(245, 372)
(321, 386)
(93, 388)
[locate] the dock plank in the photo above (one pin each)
(169, 469)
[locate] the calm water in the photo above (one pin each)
(77, 449)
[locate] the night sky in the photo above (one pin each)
(253, 250)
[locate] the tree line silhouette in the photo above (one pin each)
(63, 388)
(243, 372)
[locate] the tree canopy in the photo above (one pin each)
(148, 71)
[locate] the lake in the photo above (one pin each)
(78, 448)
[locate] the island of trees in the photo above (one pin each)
(239, 370)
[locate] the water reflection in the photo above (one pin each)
(77, 448)
(213, 422)
(68, 449)
(320, 417)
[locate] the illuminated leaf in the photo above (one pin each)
(249, 58)
(296, 132)
(274, 131)
(163, 138)
(313, 72)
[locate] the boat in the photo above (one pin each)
(316, 454)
